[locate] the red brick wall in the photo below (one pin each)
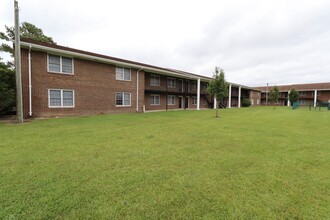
(94, 85)
(255, 96)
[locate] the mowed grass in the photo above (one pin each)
(252, 163)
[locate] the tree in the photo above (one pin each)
(218, 87)
(7, 71)
(274, 95)
(27, 30)
(7, 88)
(293, 96)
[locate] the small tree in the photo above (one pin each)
(218, 87)
(274, 95)
(7, 89)
(293, 96)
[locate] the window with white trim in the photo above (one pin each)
(123, 99)
(171, 100)
(204, 86)
(60, 98)
(302, 101)
(303, 93)
(171, 82)
(154, 80)
(60, 64)
(123, 73)
(194, 100)
(252, 102)
(204, 103)
(154, 99)
(257, 101)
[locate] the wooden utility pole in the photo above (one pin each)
(19, 100)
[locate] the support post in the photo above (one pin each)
(229, 97)
(315, 98)
(239, 96)
(198, 93)
(19, 99)
(289, 103)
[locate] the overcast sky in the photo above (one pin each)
(255, 42)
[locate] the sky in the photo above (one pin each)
(255, 42)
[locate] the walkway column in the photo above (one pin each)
(315, 96)
(198, 93)
(229, 97)
(239, 96)
(215, 103)
(289, 98)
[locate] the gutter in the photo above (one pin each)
(137, 89)
(30, 82)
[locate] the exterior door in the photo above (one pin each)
(186, 103)
(180, 101)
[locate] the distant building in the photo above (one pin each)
(310, 94)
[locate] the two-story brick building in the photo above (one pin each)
(60, 81)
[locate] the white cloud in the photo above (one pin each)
(255, 42)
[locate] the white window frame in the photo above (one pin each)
(252, 101)
(62, 106)
(302, 93)
(194, 100)
(204, 102)
(61, 66)
(123, 75)
(151, 98)
(173, 80)
(258, 102)
(168, 98)
(123, 105)
(155, 77)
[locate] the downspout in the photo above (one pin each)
(30, 83)
(137, 89)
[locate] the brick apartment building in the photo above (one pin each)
(309, 94)
(61, 81)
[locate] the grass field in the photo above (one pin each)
(254, 163)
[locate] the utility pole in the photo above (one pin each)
(19, 100)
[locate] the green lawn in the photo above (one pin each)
(255, 163)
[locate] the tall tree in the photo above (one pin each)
(27, 30)
(7, 71)
(293, 96)
(218, 87)
(274, 94)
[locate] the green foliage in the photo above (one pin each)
(294, 95)
(218, 87)
(246, 102)
(7, 89)
(27, 30)
(168, 165)
(274, 94)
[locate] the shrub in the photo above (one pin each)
(246, 102)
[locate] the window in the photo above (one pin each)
(257, 101)
(123, 73)
(171, 82)
(171, 100)
(154, 80)
(318, 93)
(302, 93)
(204, 103)
(154, 99)
(302, 101)
(194, 100)
(123, 99)
(194, 86)
(59, 64)
(204, 86)
(252, 102)
(60, 98)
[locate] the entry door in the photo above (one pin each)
(180, 101)
(186, 103)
